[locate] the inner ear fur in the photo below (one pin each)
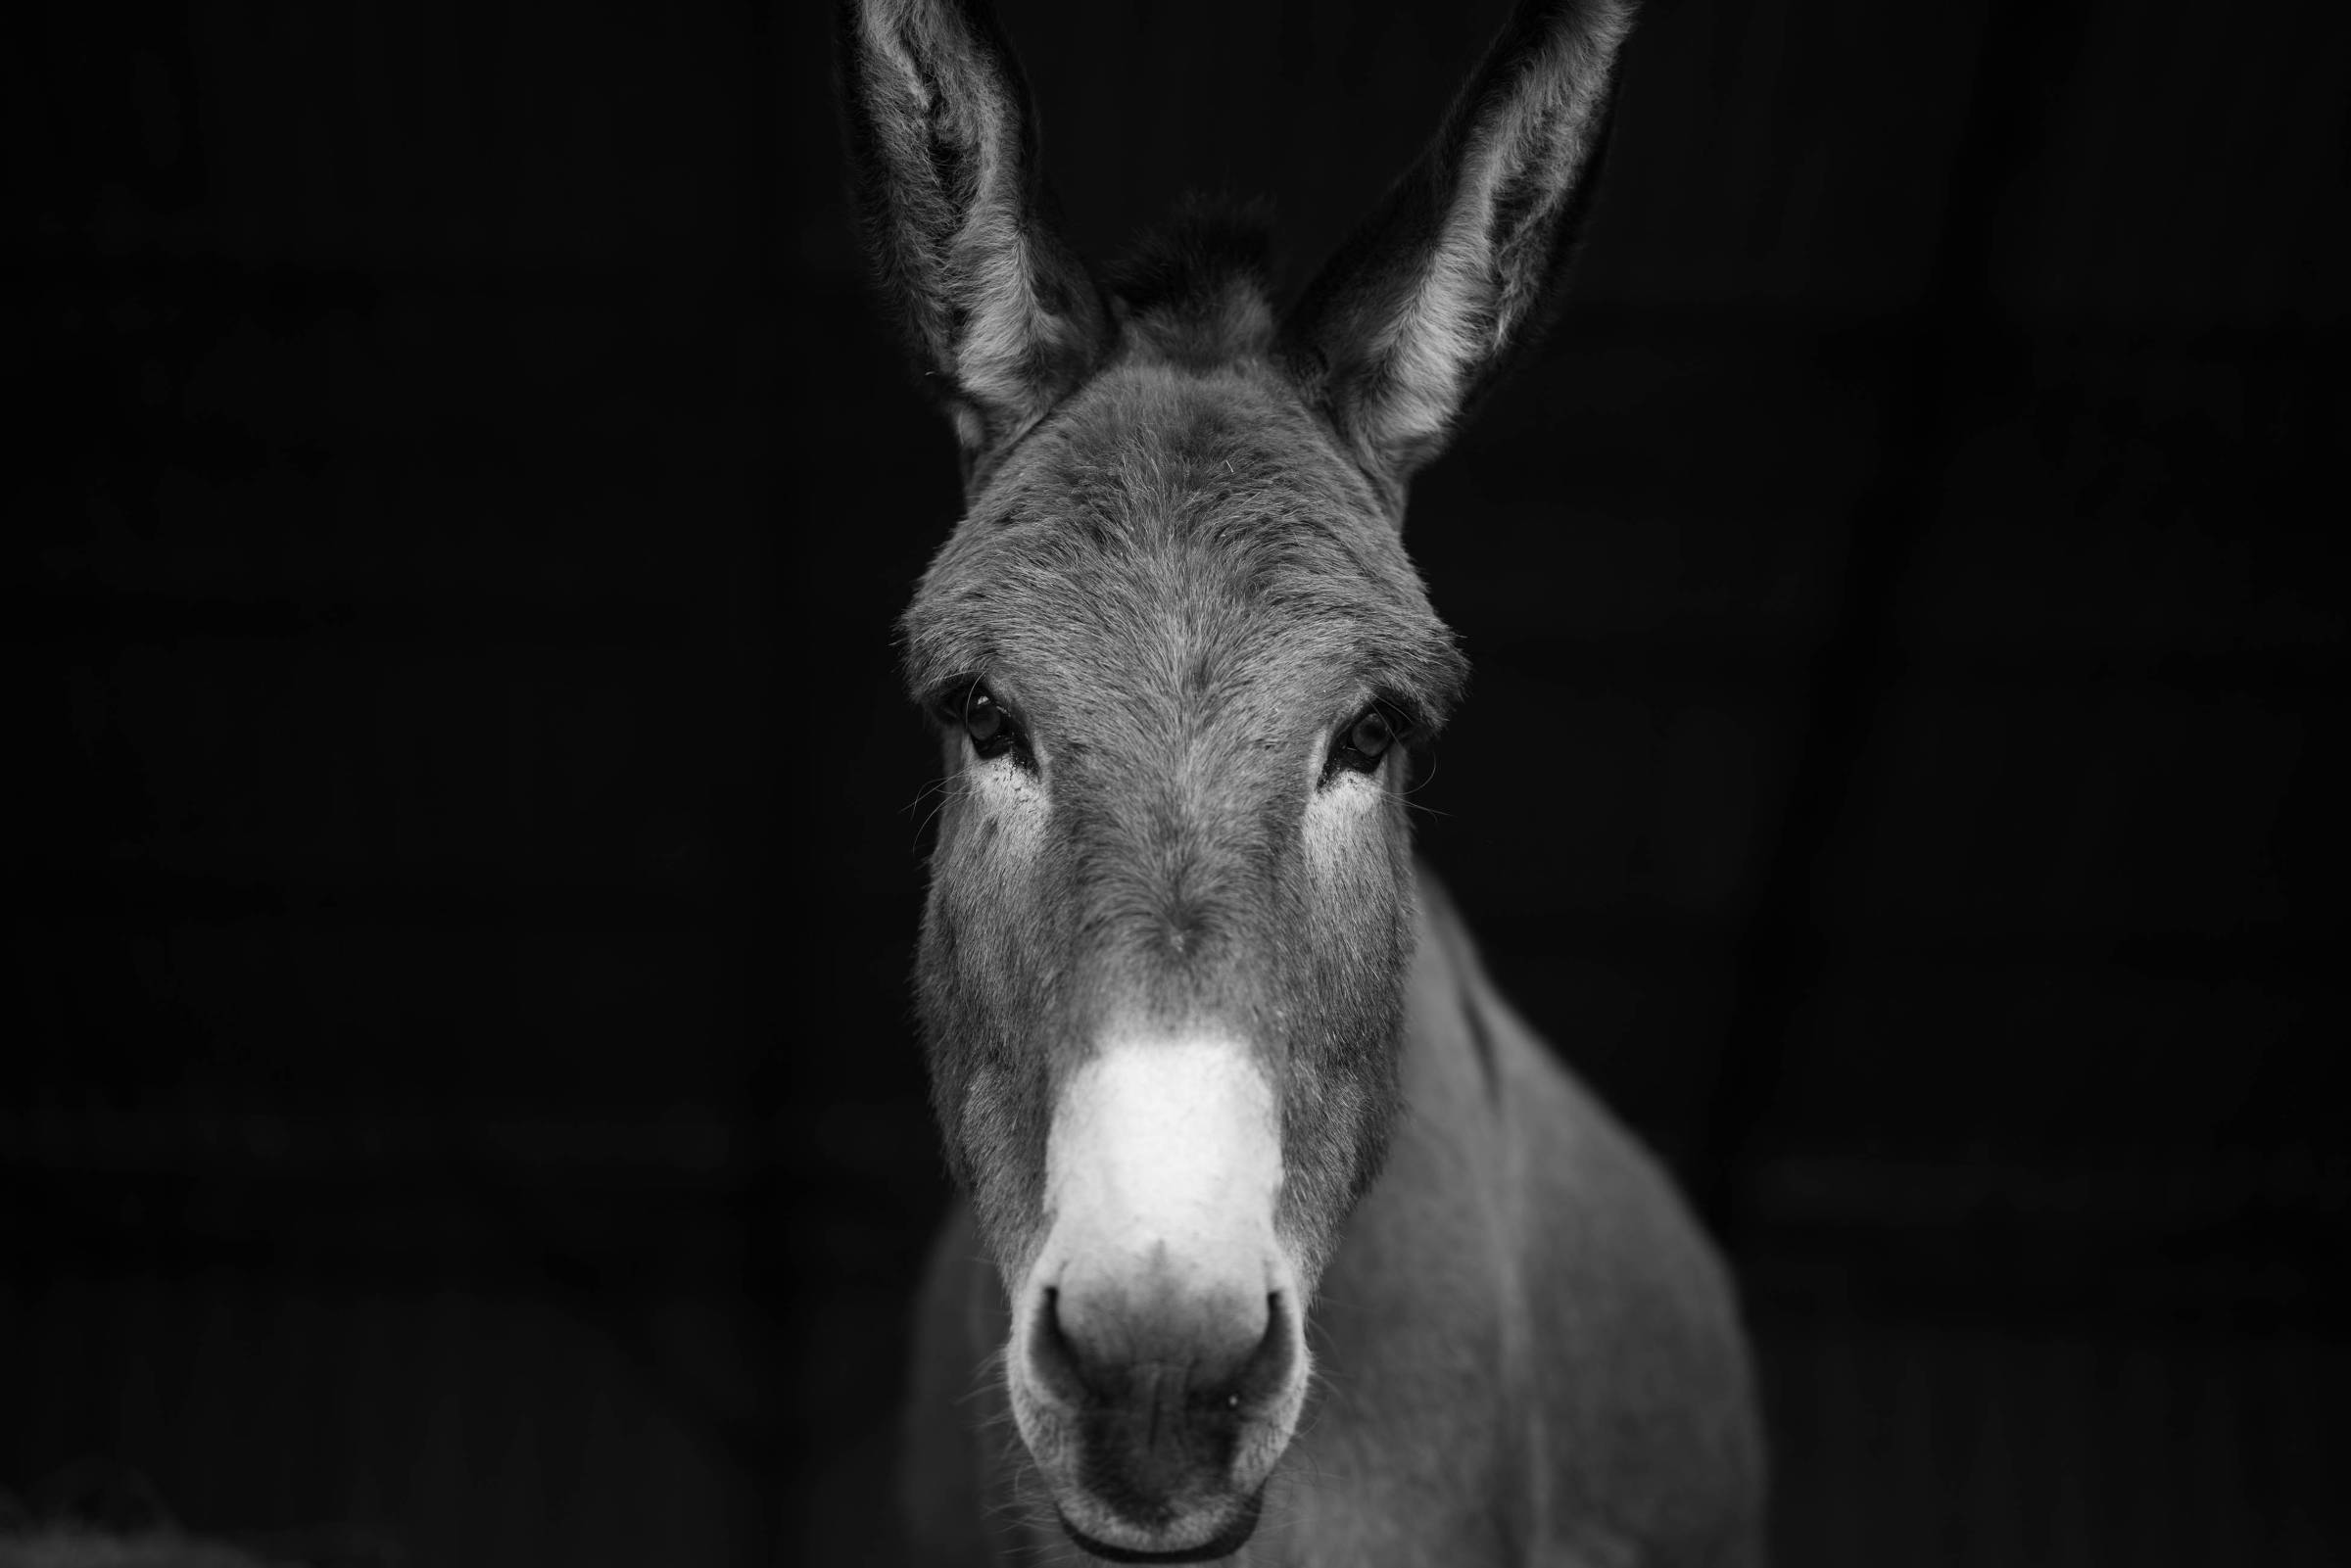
(1460, 268)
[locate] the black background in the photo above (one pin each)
(458, 1106)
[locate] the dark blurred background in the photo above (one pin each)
(458, 1106)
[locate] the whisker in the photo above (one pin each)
(923, 793)
(1423, 781)
(934, 791)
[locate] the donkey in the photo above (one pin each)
(1279, 1236)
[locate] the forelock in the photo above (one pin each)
(1196, 290)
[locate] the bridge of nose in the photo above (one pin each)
(1169, 1140)
(1207, 801)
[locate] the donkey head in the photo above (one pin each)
(1180, 661)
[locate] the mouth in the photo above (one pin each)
(1224, 1543)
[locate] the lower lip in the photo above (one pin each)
(1231, 1539)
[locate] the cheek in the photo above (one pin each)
(983, 987)
(983, 872)
(1355, 856)
(1340, 1089)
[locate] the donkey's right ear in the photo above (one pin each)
(1002, 316)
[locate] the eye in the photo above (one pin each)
(985, 723)
(1366, 739)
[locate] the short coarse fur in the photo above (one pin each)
(1196, 291)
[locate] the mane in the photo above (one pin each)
(1195, 288)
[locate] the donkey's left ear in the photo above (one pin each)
(1461, 266)
(1002, 316)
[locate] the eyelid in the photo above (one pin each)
(1404, 719)
(948, 701)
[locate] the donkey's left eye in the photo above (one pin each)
(1364, 741)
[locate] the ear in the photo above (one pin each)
(1003, 319)
(1461, 266)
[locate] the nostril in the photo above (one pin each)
(1261, 1379)
(1057, 1363)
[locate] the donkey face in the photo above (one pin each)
(1179, 660)
(1177, 654)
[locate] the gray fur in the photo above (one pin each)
(1180, 574)
(1192, 542)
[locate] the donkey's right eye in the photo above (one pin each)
(985, 723)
